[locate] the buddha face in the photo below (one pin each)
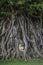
(21, 47)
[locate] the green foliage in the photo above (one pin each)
(30, 6)
(21, 62)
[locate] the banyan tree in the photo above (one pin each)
(21, 34)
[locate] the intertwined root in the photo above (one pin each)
(21, 30)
